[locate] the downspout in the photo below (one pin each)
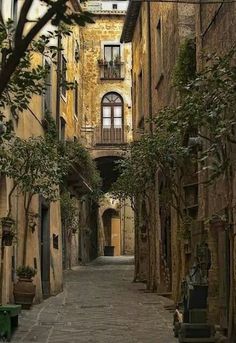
(149, 66)
(58, 87)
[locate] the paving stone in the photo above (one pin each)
(100, 304)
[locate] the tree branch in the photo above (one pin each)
(1, 19)
(22, 21)
(14, 59)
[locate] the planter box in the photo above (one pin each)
(109, 250)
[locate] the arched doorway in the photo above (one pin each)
(112, 232)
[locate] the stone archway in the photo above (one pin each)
(115, 219)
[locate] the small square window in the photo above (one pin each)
(114, 6)
(77, 51)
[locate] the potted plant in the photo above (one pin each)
(100, 61)
(117, 60)
(24, 289)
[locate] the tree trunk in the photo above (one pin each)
(26, 227)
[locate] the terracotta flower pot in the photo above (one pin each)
(24, 292)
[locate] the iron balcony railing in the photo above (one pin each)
(109, 136)
(113, 70)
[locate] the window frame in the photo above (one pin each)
(112, 105)
(62, 129)
(159, 53)
(63, 76)
(76, 51)
(48, 87)
(76, 99)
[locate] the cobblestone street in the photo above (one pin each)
(99, 304)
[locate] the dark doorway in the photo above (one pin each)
(45, 250)
(108, 168)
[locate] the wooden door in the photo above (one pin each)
(224, 278)
(115, 235)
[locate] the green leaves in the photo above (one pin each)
(200, 129)
(19, 80)
(34, 165)
(69, 212)
(76, 154)
(185, 69)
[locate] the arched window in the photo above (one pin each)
(112, 118)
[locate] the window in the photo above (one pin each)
(77, 51)
(114, 6)
(159, 53)
(47, 93)
(13, 10)
(140, 114)
(112, 118)
(76, 112)
(112, 53)
(112, 62)
(63, 75)
(62, 129)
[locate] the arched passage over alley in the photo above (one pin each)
(107, 166)
(115, 218)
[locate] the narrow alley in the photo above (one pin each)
(99, 304)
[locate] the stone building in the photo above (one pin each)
(99, 88)
(215, 33)
(41, 251)
(105, 106)
(49, 247)
(156, 32)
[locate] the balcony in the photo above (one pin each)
(113, 70)
(109, 136)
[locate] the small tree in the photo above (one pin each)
(36, 168)
(14, 44)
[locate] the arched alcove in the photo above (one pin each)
(111, 226)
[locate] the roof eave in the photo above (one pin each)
(130, 21)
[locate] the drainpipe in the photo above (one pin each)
(58, 87)
(149, 65)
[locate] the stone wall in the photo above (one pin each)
(216, 33)
(170, 25)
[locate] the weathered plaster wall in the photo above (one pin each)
(216, 33)
(106, 29)
(170, 24)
